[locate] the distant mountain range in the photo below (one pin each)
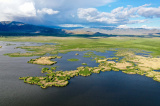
(116, 31)
(13, 28)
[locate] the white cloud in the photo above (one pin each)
(149, 27)
(116, 10)
(10, 9)
(119, 15)
(123, 26)
(143, 26)
(89, 14)
(27, 9)
(149, 12)
(15, 9)
(137, 21)
(71, 25)
(47, 11)
(93, 15)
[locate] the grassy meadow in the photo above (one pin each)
(66, 44)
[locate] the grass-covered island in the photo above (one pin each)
(126, 58)
(84, 63)
(72, 59)
(44, 60)
(54, 68)
(76, 54)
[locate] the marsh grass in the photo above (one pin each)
(84, 63)
(64, 44)
(54, 68)
(73, 59)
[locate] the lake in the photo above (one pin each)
(104, 89)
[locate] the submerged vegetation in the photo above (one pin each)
(125, 59)
(72, 59)
(9, 44)
(36, 51)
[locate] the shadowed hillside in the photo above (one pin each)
(13, 27)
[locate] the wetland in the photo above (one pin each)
(104, 67)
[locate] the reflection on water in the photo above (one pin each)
(104, 89)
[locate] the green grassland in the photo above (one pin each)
(66, 44)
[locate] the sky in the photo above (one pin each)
(83, 13)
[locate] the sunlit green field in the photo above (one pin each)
(65, 44)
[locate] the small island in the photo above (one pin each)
(44, 60)
(76, 54)
(72, 59)
(84, 63)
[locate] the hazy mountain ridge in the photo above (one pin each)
(116, 31)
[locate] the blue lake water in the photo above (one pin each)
(104, 89)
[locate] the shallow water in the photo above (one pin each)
(104, 89)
